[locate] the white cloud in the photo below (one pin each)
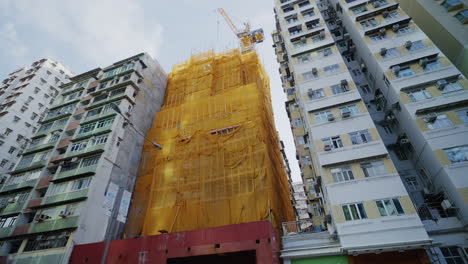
(10, 41)
(100, 31)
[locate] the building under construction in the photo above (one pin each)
(220, 165)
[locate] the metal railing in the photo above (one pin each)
(300, 227)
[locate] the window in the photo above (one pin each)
(356, 72)
(315, 94)
(308, 13)
(8, 222)
(391, 53)
(354, 211)
(442, 121)
(11, 150)
(350, 108)
(302, 4)
(452, 255)
(78, 146)
(360, 137)
(412, 183)
(463, 115)
(309, 76)
(294, 31)
(334, 142)
(321, 117)
(3, 162)
(41, 242)
(452, 87)
(304, 58)
(297, 122)
(23, 109)
(419, 95)
(365, 88)
(451, 4)
(90, 161)
(16, 119)
(288, 9)
(377, 37)
(300, 140)
(7, 131)
(86, 128)
(392, 14)
(325, 52)
(99, 140)
(299, 43)
(331, 69)
(60, 123)
(379, 3)
(405, 72)
(389, 207)
(388, 129)
(417, 45)
(359, 9)
(433, 65)
(342, 174)
(462, 16)
(104, 123)
(94, 112)
(36, 90)
(318, 38)
(404, 30)
(457, 154)
(81, 184)
(291, 19)
(338, 88)
(369, 23)
(373, 168)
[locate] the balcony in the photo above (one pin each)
(5, 231)
(98, 131)
(90, 170)
(54, 224)
(88, 150)
(21, 185)
(12, 208)
(303, 234)
(99, 116)
(65, 197)
(39, 147)
(57, 116)
(29, 166)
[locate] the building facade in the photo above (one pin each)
(74, 180)
(25, 95)
(379, 118)
(446, 24)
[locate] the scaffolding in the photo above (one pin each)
(220, 163)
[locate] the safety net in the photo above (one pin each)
(220, 163)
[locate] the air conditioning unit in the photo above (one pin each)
(382, 31)
(383, 51)
(325, 54)
(352, 48)
(344, 82)
(328, 219)
(41, 217)
(432, 117)
(330, 117)
(440, 84)
(12, 200)
(396, 27)
(74, 159)
(310, 92)
(408, 44)
(345, 114)
(140, 79)
(404, 141)
(303, 38)
(446, 204)
(363, 67)
(385, 13)
(423, 62)
(396, 69)
(314, 70)
(327, 147)
(322, 34)
(346, 36)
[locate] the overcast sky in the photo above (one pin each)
(86, 34)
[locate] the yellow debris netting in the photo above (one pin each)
(220, 163)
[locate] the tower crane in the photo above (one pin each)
(246, 36)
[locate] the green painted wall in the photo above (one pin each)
(322, 260)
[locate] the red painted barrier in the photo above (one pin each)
(256, 241)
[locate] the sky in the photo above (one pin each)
(86, 34)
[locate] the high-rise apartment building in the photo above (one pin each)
(446, 24)
(379, 117)
(25, 95)
(74, 180)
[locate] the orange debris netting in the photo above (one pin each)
(220, 163)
